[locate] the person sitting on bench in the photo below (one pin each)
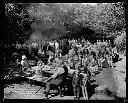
(57, 78)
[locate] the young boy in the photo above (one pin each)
(76, 84)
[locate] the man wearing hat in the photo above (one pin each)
(57, 78)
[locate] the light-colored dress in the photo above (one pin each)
(38, 73)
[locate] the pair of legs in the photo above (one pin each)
(76, 90)
(53, 82)
(84, 92)
(110, 63)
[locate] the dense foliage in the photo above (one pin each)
(55, 19)
(120, 42)
(39, 21)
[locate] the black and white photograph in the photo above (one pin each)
(64, 51)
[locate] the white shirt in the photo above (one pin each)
(38, 73)
(51, 44)
(37, 70)
(24, 63)
(56, 45)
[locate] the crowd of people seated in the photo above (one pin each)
(79, 58)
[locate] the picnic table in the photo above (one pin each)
(48, 71)
(51, 70)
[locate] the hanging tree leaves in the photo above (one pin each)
(73, 17)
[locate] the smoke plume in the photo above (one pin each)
(45, 20)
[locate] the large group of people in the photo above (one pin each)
(78, 58)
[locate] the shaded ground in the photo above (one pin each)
(106, 78)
